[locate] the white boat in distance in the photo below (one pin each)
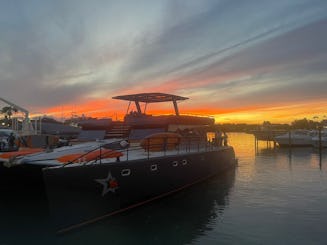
(296, 138)
(323, 138)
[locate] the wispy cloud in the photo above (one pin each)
(242, 54)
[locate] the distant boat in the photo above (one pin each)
(320, 141)
(172, 154)
(4, 144)
(296, 138)
(23, 145)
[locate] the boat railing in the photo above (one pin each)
(148, 150)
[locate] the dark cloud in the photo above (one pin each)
(57, 52)
(293, 65)
(225, 27)
(44, 46)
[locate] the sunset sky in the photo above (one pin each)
(239, 61)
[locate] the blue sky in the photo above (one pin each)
(234, 59)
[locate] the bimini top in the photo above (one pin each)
(150, 97)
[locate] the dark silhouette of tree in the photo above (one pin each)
(8, 112)
(304, 124)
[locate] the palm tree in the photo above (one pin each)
(8, 111)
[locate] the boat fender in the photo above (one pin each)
(124, 144)
(117, 145)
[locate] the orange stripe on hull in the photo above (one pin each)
(21, 152)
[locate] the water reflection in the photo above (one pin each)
(246, 151)
(294, 155)
(285, 199)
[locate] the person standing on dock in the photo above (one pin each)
(218, 138)
(225, 137)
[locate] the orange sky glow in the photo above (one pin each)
(271, 66)
(116, 109)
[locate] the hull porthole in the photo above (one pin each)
(175, 163)
(154, 167)
(125, 172)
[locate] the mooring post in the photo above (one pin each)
(320, 144)
(320, 147)
(255, 143)
(100, 154)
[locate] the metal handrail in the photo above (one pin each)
(191, 143)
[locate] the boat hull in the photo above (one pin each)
(84, 194)
(26, 178)
(296, 138)
(294, 142)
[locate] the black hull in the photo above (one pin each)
(22, 177)
(82, 195)
(294, 146)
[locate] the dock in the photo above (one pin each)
(266, 135)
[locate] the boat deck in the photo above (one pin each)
(136, 152)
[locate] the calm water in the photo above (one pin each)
(273, 197)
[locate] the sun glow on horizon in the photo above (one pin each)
(116, 110)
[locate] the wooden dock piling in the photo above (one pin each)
(266, 135)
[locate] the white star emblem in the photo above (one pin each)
(109, 184)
